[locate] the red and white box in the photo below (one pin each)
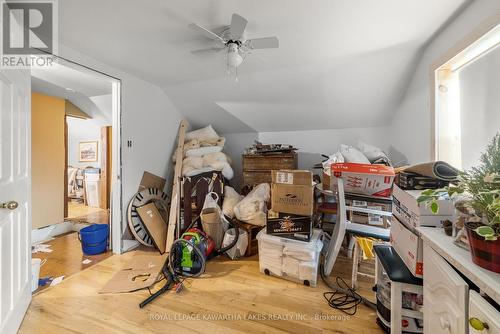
(409, 247)
(365, 179)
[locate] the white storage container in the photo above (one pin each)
(413, 214)
(291, 259)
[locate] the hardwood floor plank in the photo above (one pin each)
(232, 297)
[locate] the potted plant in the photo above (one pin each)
(481, 186)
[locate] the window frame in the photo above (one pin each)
(445, 89)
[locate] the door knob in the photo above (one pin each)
(11, 205)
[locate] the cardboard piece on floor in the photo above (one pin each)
(155, 225)
(140, 273)
(150, 180)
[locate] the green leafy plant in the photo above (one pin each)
(482, 185)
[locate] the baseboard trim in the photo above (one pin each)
(51, 231)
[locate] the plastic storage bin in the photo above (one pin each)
(290, 259)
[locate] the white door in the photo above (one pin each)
(15, 179)
(445, 296)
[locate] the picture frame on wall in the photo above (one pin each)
(88, 151)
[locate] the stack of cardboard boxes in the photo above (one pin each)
(289, 247)
(292, 204)
(408, 216)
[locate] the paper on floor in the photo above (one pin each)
(86, 261)
(56, 280)
(42, 248)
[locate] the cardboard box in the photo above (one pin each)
(410, 212)
(151, 181)
(369, 203)
(155, 225)
(365, 179)
(292, 192)
(326, 181)
(412, 181)
(409, 247)
(289, 226)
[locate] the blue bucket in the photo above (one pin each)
(94, 239)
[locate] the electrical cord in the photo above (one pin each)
(345, 302)
(343, 297)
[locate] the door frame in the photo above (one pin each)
(116, 192)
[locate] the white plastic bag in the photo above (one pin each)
(253, 209)
(332, 159)
(231, 198)
(353, 155)
(373, 153)
(212, 219)
(239, 249)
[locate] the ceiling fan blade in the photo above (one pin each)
(206, 32)
(238, 25)
(207, 51)
(263, 43)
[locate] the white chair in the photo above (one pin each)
(343, 226)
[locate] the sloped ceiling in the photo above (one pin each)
(89, 92)
(341, 63)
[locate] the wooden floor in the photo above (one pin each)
(232, 297)
(66, 258)
(77, 211)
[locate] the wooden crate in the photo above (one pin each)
(252, 230)
(257, 167)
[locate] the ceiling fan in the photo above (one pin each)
(233, 41)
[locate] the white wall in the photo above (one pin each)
(479, 106)
(313, 143)
(411, 126)
(82, 130)
(236, 143)
(149, 120)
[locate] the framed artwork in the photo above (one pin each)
(88, 151)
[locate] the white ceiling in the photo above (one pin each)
(88, 91)
(341, 63)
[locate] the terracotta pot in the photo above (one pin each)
(485, 253)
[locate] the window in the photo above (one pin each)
(467, 101)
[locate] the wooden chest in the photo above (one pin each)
(257, 167)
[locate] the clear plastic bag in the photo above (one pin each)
(240, 248)
(253, 209)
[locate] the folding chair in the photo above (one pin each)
(343, 226)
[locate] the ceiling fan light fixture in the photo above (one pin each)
(233, 39)
(233, 58)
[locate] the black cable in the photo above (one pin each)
(343, 298)
(346, 302)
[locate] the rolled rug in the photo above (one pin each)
(437, 169)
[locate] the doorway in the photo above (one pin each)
(75, 165)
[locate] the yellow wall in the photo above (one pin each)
(47, 154)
